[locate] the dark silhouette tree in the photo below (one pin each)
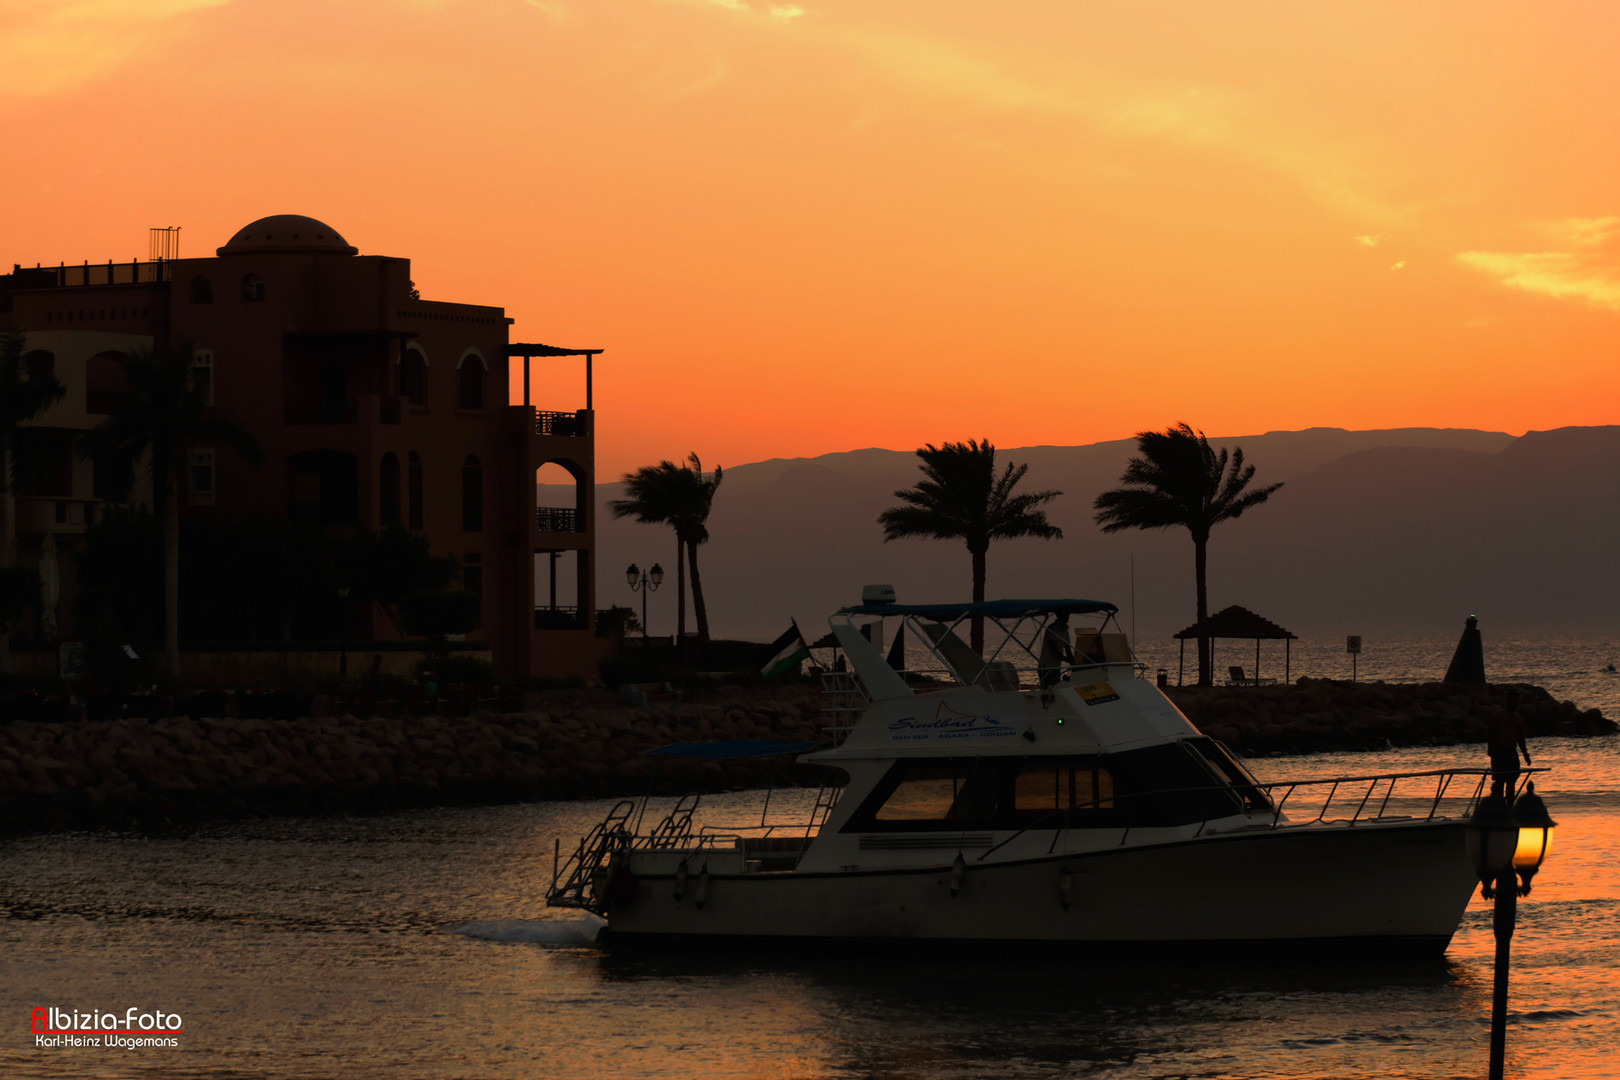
(961, 498)
(156, 421)
(21, 399)
(386, 566)
(679, 496)
(1178, 480)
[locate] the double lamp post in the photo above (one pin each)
(644, 584)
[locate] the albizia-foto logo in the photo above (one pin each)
(135, 1028)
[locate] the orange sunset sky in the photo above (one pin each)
(799, 227)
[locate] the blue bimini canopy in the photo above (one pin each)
(732, 748)
(995, 609)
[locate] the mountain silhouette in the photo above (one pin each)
(1398, 532)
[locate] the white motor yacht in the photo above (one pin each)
(1043, 792)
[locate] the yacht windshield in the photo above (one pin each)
(1157, 785)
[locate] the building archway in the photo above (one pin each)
(560, 491)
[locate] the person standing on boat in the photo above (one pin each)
(1055, 650)
(1504, 740)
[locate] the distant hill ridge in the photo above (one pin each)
(1399, 531)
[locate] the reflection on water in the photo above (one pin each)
(418, 945)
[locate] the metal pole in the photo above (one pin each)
(642, 588)
(1506, 915)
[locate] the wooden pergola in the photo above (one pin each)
(1237, 622)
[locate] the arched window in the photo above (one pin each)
(471, 382)
(202, 290)
(413, 377)
(105, 382)
(40, 365)
(388, 489)
(413, 490)
(253, 288)
(472, 495)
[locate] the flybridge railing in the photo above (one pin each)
(1020, 659)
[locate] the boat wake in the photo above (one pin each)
(580, 930)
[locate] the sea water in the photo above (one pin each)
(418, 944)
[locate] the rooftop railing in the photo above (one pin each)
(134, 272)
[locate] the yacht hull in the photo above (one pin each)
(1389, 884)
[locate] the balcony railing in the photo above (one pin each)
(559, 618)
(560, 423)
(558, 519)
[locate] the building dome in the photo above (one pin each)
(287, 233)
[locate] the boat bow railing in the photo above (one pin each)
(1424, 796)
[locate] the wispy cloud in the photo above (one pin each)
(47, 48)
(1205, 117)
(552, 8)
(1368, 241)
(1586, 232)
(787, 11)
(1583, 265)
(1399, 266)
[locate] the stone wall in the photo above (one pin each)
(587, 743)
(1320, 715)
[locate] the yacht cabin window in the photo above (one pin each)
(1171, 784)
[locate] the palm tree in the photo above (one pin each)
(962, 498)
(21, 400)
(156, 420)
(1179, 480)
(679, 496)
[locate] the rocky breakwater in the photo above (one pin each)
(588, 744)
(567, 745)
(1324, 715)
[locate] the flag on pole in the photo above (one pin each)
(786, 652)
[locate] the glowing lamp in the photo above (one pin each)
(1535, 835)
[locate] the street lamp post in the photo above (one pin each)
(644, 585)
(1506, 844)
